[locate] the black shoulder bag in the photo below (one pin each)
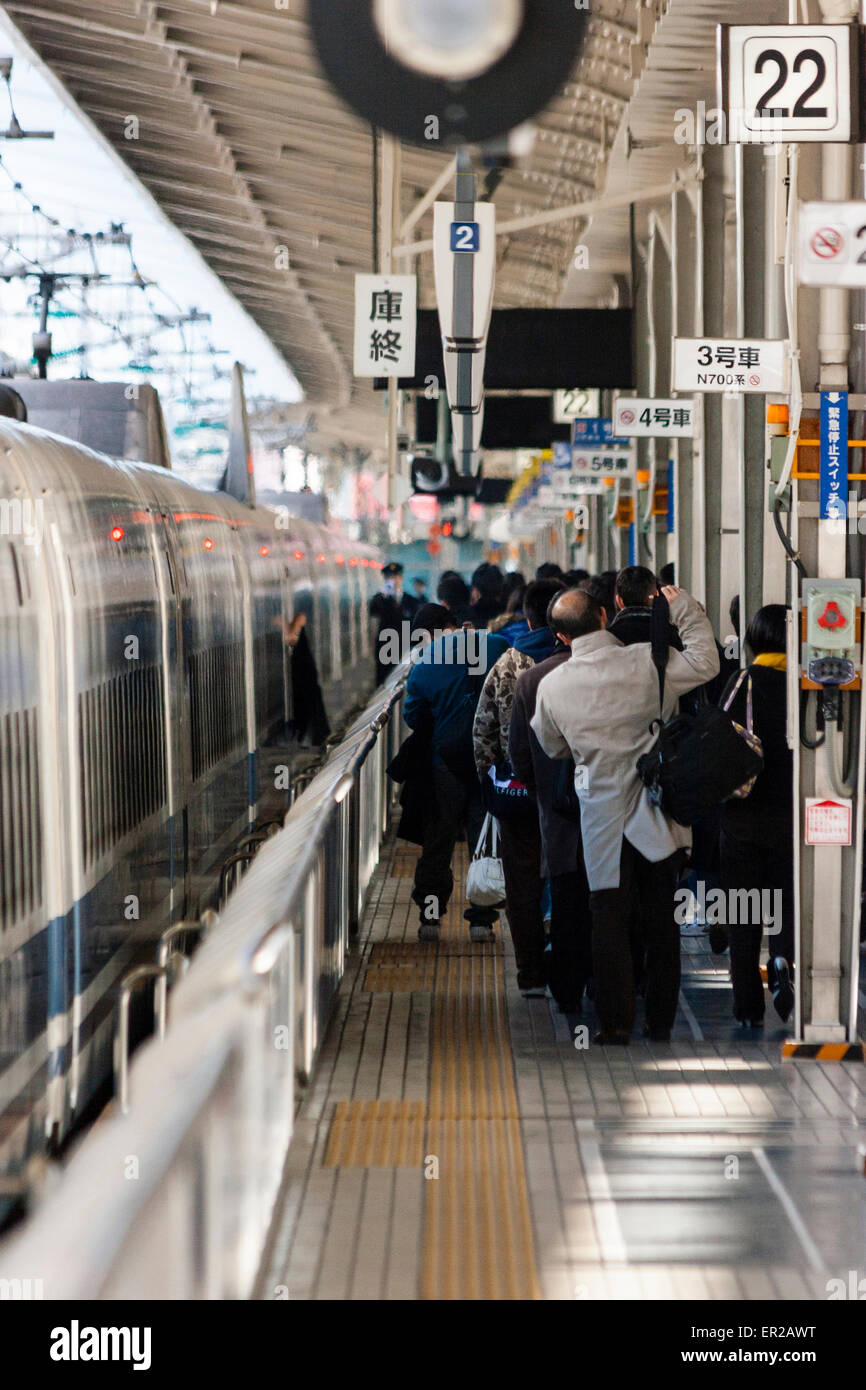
(699, 760)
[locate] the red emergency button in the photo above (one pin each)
(832, 618)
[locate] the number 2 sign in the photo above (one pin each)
(789, 82)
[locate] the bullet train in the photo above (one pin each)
(143, 678)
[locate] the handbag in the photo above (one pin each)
(504, 796)
(485, 881)
(698, 760)
(748, 733)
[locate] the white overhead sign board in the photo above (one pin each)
(385, 325)
(575, 405)
(638, 417)
(789, 82)
(731, 364)
(832, 239)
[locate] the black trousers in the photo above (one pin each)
(647, 889)
(570, 936)
(521, 862)
(771, 871)
(457, 810)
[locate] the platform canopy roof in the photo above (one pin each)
(220, 109)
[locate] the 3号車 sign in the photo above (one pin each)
(731, 364)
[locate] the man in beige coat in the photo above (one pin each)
(599, 706)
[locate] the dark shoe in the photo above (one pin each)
(428, 931)
(657, 1034)
(478, 931)
(719, 940)
(532, 989)
(783, 990)
(750, 1022)
(612, 1039)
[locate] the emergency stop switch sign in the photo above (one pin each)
(827, 822)
(832, 618)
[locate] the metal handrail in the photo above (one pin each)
(128, 985)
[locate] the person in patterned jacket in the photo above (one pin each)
(521, 839)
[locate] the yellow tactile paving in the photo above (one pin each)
(477, 1240)
(376, 1134)
(398, 979)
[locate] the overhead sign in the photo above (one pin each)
(789, 82)
(833, 486)
(465, 236)
(828, 822)
(576, 404)
(635, 416)
(605, 461)
(731, 364)
(832, 240)
(385, 325)
(593, 431)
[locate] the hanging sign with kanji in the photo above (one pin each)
(385, 325)
(731, 364)
(635, 416)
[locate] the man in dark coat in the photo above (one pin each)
(391, 608)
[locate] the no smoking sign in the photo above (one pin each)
(832, 244)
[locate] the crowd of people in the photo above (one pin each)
(532, 702)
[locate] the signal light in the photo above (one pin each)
(299, 554)
(353, 560)
(117, 533)
(208, 545)
(263, 550)
(340, 560)
(320, 558)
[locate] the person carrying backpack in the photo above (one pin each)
(600, 707)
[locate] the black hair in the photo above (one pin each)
(432, 617)
(537, 599)
(487, 579)
(579, 613)
(574, 577)
(734, 613)
(767, 631)
(452, 590)
(549, 570)
(636, 586)
(666, 573)
(602, 587)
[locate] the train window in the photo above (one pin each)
(20, 831)
(122, 747)
(217, 705)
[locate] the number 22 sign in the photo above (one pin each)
(789, 82)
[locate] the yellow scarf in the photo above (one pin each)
(777, 660)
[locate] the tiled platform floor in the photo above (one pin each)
(704, 1168)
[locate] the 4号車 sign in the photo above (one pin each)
(638, 417)
(731, 364)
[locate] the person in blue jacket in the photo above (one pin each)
(445, 684)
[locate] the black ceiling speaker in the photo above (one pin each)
(450, 72)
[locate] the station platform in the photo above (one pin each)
(455, 1144)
